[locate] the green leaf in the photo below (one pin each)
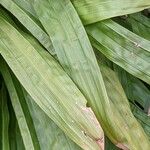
(142, 118)
(12, 127)
(126, 124)
(126, 49)
(15, 100)
(135, 90)
(4, 119)
(97, 10)
(29, 23)
(49, 135)
(26, 6)
(140, 25)
(75, 54)
(50, 87)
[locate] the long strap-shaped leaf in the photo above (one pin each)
(142, 118)
(29, 23)
(135, 90)
(50, 87)
(96, 10)
(26, 5)
(76, 56)
(123, 47)
(4, 119)
(24, 129)
(49, 134)
(121, 106)
(140, 25)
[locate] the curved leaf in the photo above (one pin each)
(29, 23)
(24, 129)
(97, 10)
(50, 87)
(75, 54)
(123, 47)
(49, 135)
(4, 119)
(135, 90)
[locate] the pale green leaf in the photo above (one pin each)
(24, 129)
(50, 87)
(97, 10)
(75, 54)
(123, 47)
(122, 112)
(49, 135)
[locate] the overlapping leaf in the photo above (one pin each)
(15, 100)
(4, 141)
(97, 10)
(140, 25)
(70, 48)
(142, 118)
(28, 22)
(123, 47)
(135, 90)
(50, 87)
(48, 133)
(76, 56)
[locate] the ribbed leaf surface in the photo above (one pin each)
(4, 141)
(140, 25)
(49, 135)
(97, 10)
(50, 87)
(126, 123)
(123, 47)
(24, 129)
(76, 56)
(135, 90)
(142, 118)
(28, 22)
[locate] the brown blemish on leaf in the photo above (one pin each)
(122, 146)
(92, 117)
(101, 142)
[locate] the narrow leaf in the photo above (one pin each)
(4, 119)
(46, 83)
(25, 133)
(123, 47)
(50, 136)
(97, 10)
(29, 23)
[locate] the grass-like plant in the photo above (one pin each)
(74, 74)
